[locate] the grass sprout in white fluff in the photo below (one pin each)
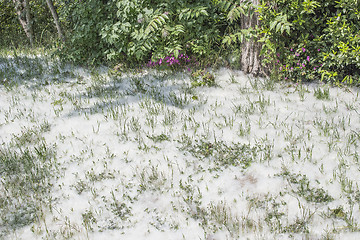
(89, 154)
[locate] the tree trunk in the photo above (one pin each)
(23, 11)
(56, 19)
(250, 49)
(29, 22)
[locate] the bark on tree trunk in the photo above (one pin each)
(250, 49)
(29, 21)
(56, 19)
(23, 11)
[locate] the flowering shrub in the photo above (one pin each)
(342, 38)
(300, 64)
(199, 77)
(321, 40)
(170, 60)
(182, 61)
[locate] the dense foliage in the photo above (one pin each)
(9, 26)
(11, 31)
(137, 30)
(302, 40)
(313, 39)
(84, 23)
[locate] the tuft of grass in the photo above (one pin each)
(300, 185)
(302, 90)
(322, 93)
(260, 84)
(152, 180)
(201, 78)
(159, 138)
(221, 154)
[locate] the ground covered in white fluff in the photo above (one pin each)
(93, 154)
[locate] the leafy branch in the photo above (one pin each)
(280, 24)
(235, 10)
(156, 23)
(191, 13)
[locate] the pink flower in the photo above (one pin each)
(308, 58)
(314, 68)
(291, 49)
(303, 49)
(318, 50)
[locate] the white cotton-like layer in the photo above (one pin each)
(120, 180)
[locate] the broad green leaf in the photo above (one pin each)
(272, 25)
(278, 26)
(288, 29)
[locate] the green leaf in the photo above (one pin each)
(272, 25)
(204, 12)
(278, 27)
(287, 29)
(147, 46)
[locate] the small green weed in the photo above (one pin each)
(224, 155)
(300, 185)
(159, 138)
(201, 78)
(322, 94)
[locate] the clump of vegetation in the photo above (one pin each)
(322, 94)
(159, 138)
(226, 155)
(300, 185)
(313, 40)
(202, 78)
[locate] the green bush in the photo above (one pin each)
(83, 23)
(135, 31)
(11, 31)
(313, 40)
(144, 29)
